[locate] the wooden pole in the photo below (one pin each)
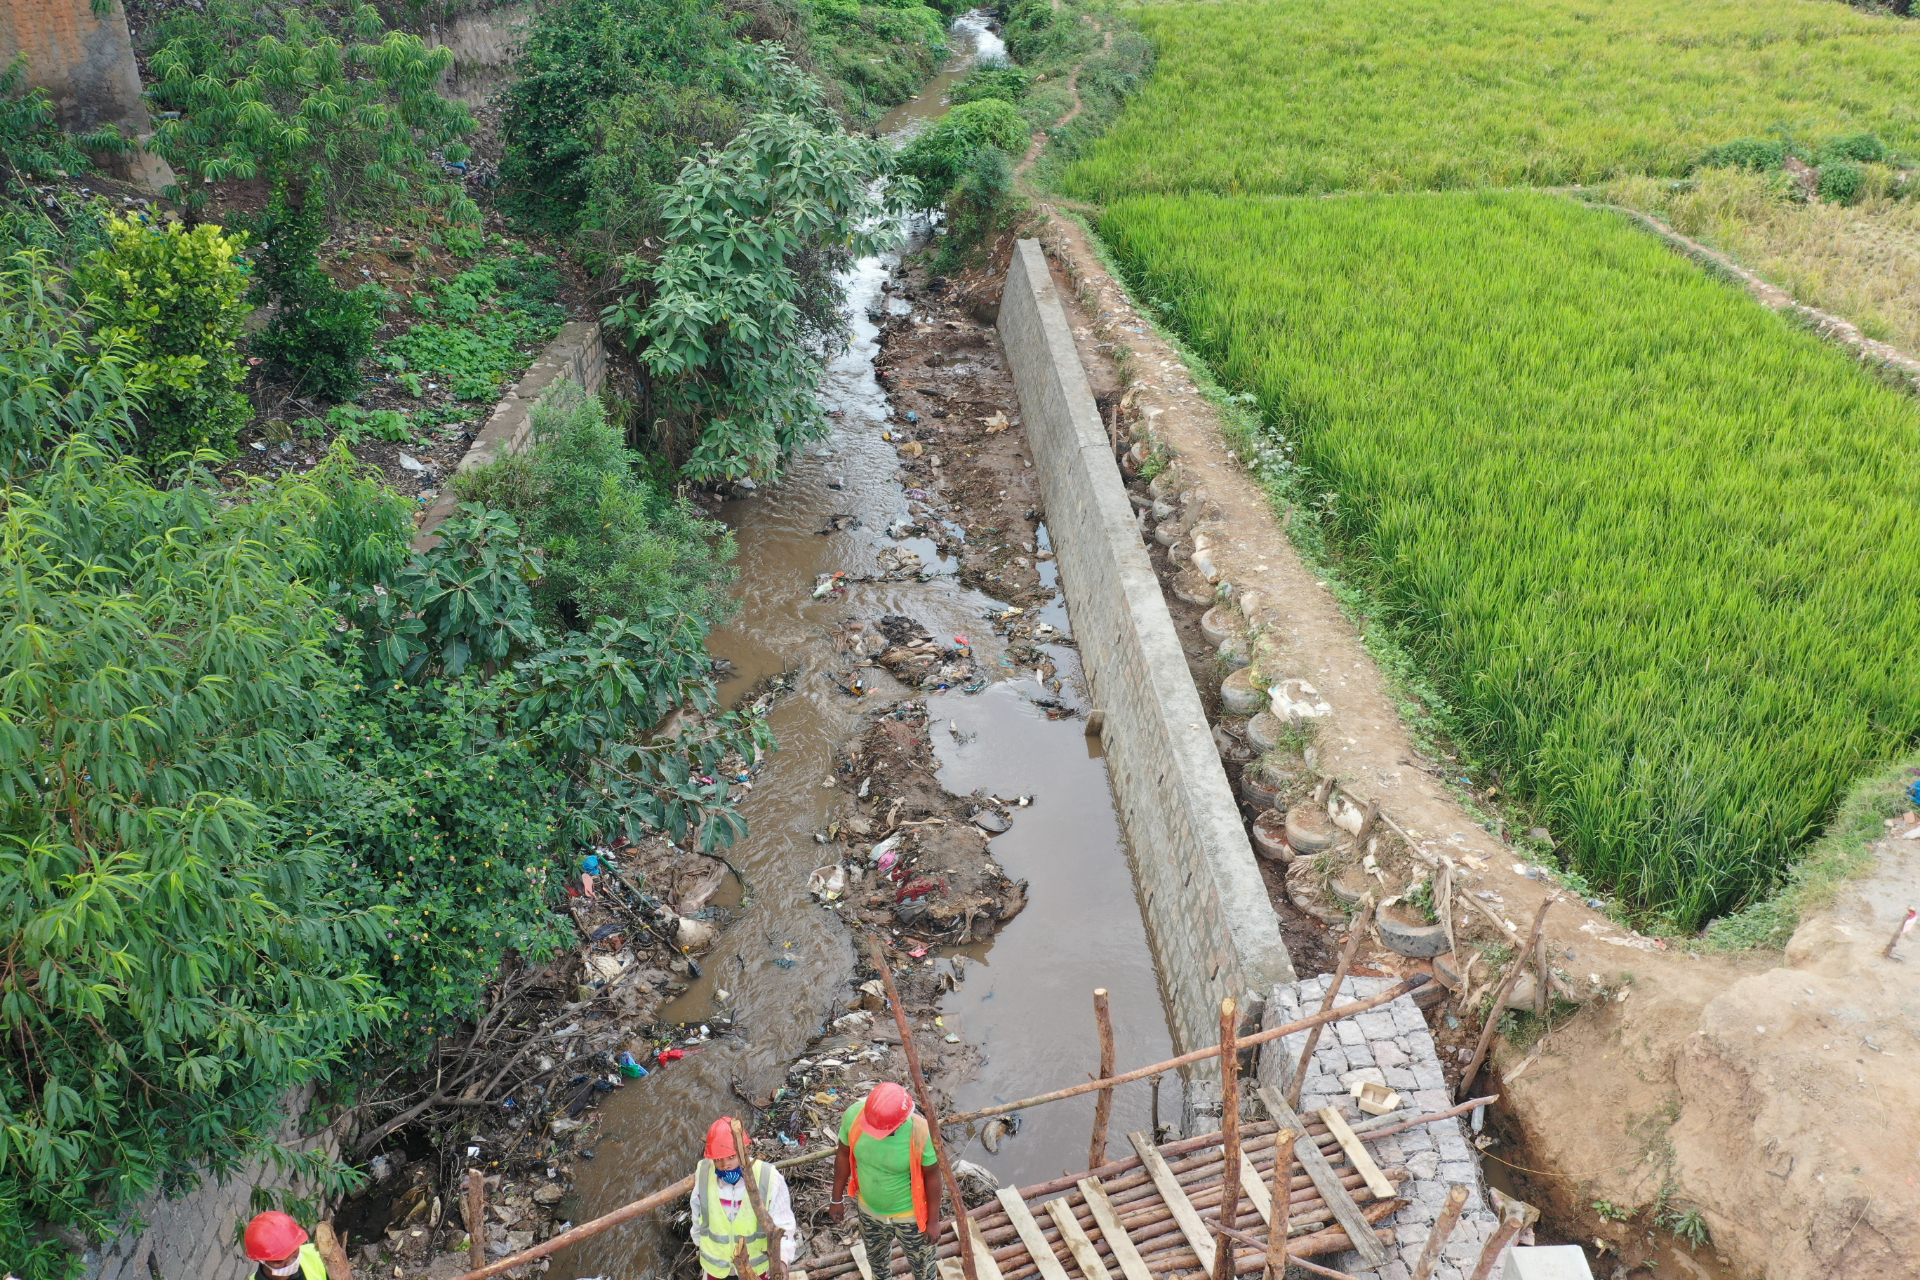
(476, 1219)
(1500, 996)
(962, 1224)
(1257, 1243)
(1156, 1109)
(776, 1264)
(1543, 987)
(1333, 991)
(1391, 994)
(1103, 1108)
(1280, 1224)
(1515, 1217)
(332, 1252)
(1437, 1240)
(625, 1213)
(1229, 1133)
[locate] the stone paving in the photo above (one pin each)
(1389, 1045)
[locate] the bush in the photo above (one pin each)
(322, 333)
(31, 141)
(1761, 155)
(983, 202)
(1841, 182)
(942, 152)
(56, 381)
(1000, 80)
(1864, 148)
(176, 297)
(616, 545)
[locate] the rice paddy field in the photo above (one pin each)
(1298, 96)
(1657, 546)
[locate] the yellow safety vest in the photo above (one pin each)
(720, 1233)
(312, 1265)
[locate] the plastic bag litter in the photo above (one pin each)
(827, 883)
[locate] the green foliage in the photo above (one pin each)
(944, 150)
(321, 333)
(500, 312)
(583, 55)
(1687, 1224)
(1611, 1212)
(878, 55)
(982, 202)
(1001, 79)
(32, 143)
(353, 424)
(1286, 97)
(175, 297)
(318, 99)
(1761, 155)
(742, 299)
(55, 380)
(1660, 589)
(174, 962)
(1841, 181)
(1862, 148)
(616, 545)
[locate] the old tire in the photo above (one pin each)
(1218, 623)
(1269, 836)
(1263, 732)
(1236, 652)
(1309, 829)
(1239, 697)
(1303, 891)
(1348, 886)
(1416, 941)
(1257, 789)
(1192, 587)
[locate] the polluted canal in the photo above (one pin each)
(882, 567)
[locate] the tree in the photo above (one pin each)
(56, 381)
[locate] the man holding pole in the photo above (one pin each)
(730, 1213)
(887, 1165)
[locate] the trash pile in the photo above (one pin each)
(909, 653)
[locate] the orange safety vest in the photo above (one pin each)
(916, 1148)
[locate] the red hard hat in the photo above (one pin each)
(888, 1107)
(720, 1139)
(273, 1237)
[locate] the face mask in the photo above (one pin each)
(292, 1265)
(728, 1176)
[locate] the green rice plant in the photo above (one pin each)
(1655, 544)
(1296, 96)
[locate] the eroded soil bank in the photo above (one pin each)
(1758, 1098)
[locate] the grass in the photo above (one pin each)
(1859, 261)
(1651, 540)
(1295, 96)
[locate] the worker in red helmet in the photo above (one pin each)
(886, 1165)
(723, 1213)
(278, 1244)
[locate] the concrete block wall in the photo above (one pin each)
(579, 355)
(1209, 920)
(196, 1234)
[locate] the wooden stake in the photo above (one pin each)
(476, 1219)
(1280, 1224)
(1443, 901)
(776, 1264)
(1388, 996)
(1103, 1108)
(1515, 1217)
(1302, 1263)
(1333, 991)
(1449, 1216)
(1500, 994)
(962, 1224)
(1542, 987)
(1229, 1131)
(331, 1251)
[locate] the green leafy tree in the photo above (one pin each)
(173, 963)
(941, 153)
(32, 144)
(176, 297)
(320, 333)
(320, 100)
(56, 380)
(733, 317)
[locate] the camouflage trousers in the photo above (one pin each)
(878, 1234)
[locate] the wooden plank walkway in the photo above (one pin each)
(1151, 1215)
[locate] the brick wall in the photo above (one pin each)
(1209, 921)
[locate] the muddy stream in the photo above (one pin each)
(1023, 997)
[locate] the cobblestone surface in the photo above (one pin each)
(1393, 1043)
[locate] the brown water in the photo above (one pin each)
(1026, 1002)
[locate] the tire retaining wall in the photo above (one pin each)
(1209, 920)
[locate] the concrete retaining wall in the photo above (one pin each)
(86, 65)
(577, 355)
(1209, 920)
(197, 1234)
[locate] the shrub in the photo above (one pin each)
(1841, 181)
(1000, 80)
(56, 381)
(1863, 148)
(942, 151)
(1760, 155)
(32, 143)
(321, 333)
(176, 297)
(982, 203)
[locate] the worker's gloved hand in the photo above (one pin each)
(837, 1212)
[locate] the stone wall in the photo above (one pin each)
(197, 1235)
(1209, 921)
(85, 63)
(578, 355)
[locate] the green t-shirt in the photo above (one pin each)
(882, 1163)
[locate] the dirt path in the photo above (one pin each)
(1680, 1073)
(1073, 113)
